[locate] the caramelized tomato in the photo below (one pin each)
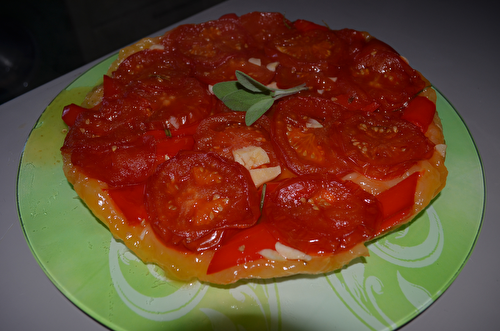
(209, 44)
(320, 214)
(310, 46)
(263, 27)
(194, 196)
(225, 133)
(177, 104)
(379, 145)
(385, 76)
(301, 129)
(120, 163)
(226, 71)
(151, 63)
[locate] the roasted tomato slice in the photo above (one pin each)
(301, 128)
(151, 63)
(183, 102)
(380, 145)
(122, 163)
(384, 75)
(194, 196)
(209, 44)
(255, 67)
(321, 214)
(265, 26)
(304, 26)
(354, 39)
(225, 133)
(310, 46)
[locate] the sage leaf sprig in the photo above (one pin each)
(248, 95)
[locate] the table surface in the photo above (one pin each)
(455, 45)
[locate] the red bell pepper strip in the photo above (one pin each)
(242, 248)
(130, 201)
(420, 111)
(171, 146)
(187, 130)
(397, 202)
(70, 113)
(111, 88)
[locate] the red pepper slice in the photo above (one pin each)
(130, 200)
(187, 130)
(397, 202)
(420, 111)
(171, 146)
(70, 113)
(242, 248)
(111, 88)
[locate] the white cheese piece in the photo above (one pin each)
(291, 253)
(263, 175)
(157, 46)
(441, 148)
(255, 61)
(251, 156)
(333, 79)
(313, 124)
(271, 254)
(272, 66)
(272, 85)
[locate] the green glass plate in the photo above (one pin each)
(406, 272)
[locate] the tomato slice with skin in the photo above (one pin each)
(321, 214)
(152, 63)
(209, 44)
(193, 195)
(301, 131)
(384, 75)
(304, 25)
(353, 104)
(227, 132)
(264, 26)
(173, 106)
(242, 248)
(226, 71)
(119, 164)
(311, 46)
(379, 145)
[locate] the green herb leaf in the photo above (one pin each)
(257, 110)
(251, 84)
(249, 95)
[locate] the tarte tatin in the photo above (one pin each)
(186, 184)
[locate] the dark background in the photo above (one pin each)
(42, 40)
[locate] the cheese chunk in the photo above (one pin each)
(263, 175)
(251, 157)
